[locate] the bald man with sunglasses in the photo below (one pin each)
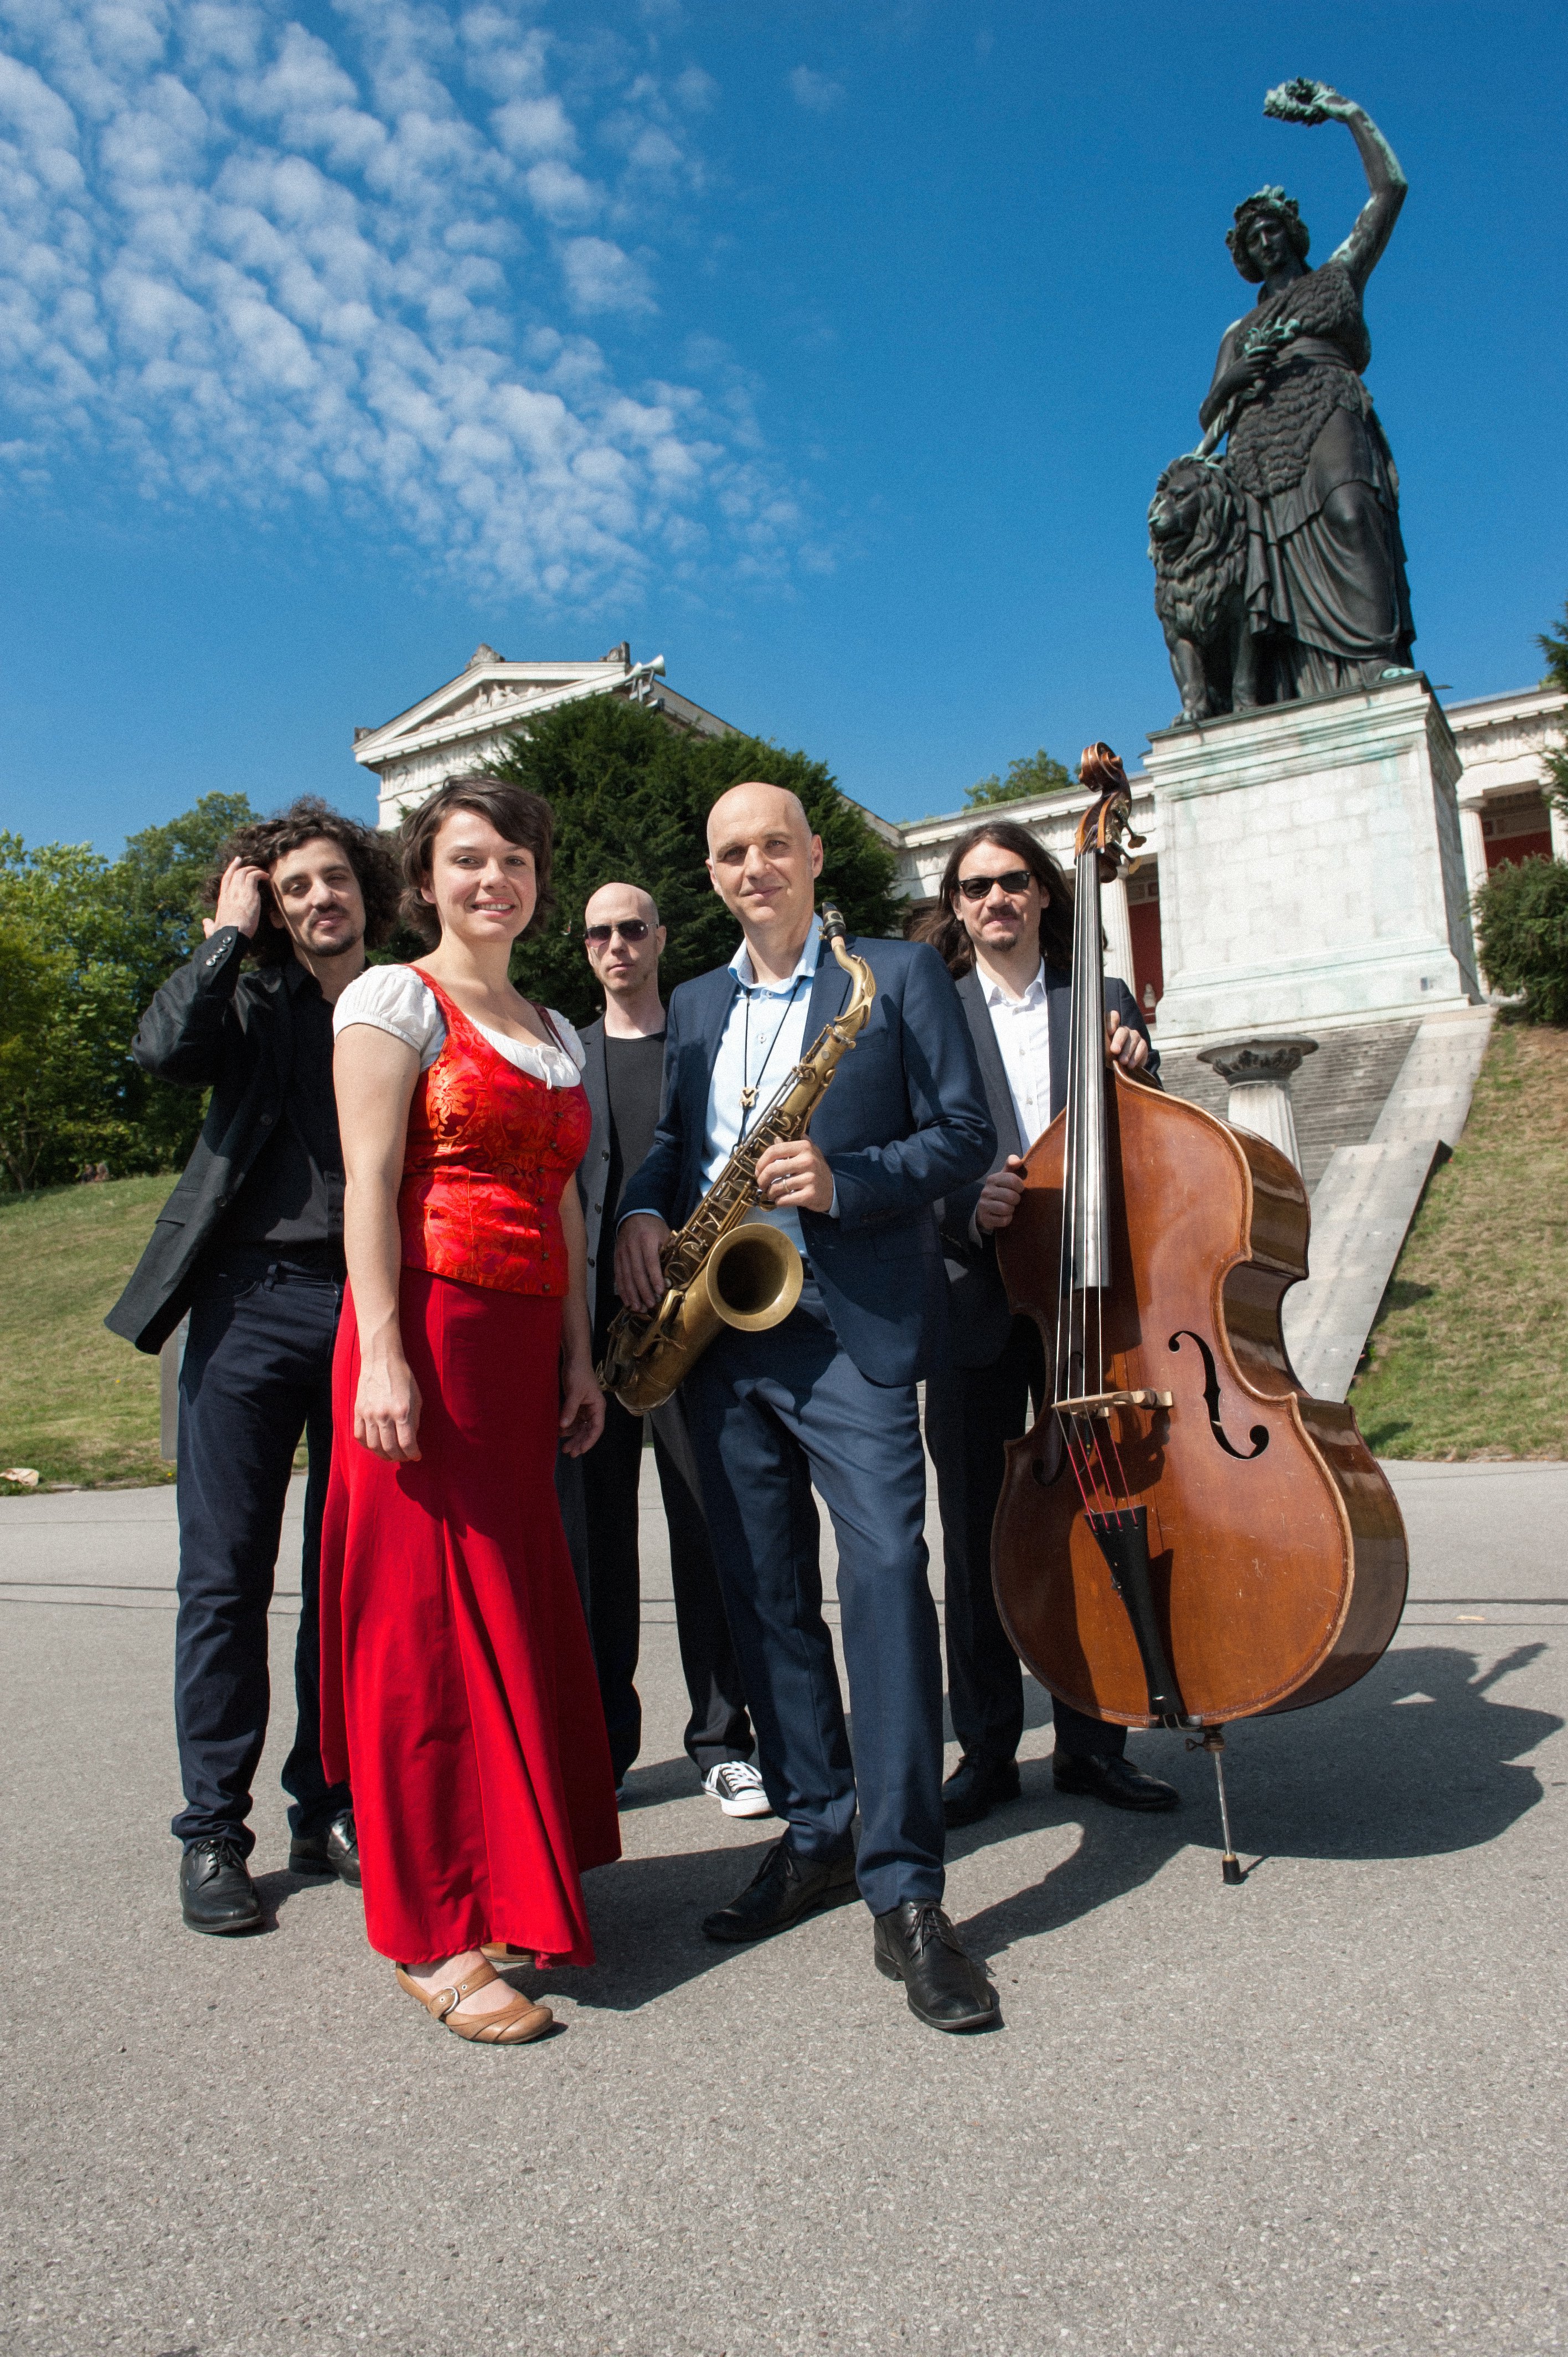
(624, 940)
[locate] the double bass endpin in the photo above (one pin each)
(1213, 1742)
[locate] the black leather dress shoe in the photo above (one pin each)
(976, 1787)
(216, 1893)
(1112, 1780)
(946, 1989)
(783, 1888)
(333, 1849)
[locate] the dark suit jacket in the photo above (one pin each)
(210, 1027)
(594, 1170)
(980, 1319)
(903, 1124)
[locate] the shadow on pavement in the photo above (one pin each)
(646, 1913)
(1417, 1760)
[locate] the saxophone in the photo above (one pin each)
(722, 1269)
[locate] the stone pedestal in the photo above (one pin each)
(1311, 865)
(1259, 1072)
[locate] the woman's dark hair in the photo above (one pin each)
(1266, 204)
(310, 820)
(521, 817)
(943, 927)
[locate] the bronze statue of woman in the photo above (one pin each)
(1328, 603)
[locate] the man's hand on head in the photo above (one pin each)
(640, 1273)
(239, 900)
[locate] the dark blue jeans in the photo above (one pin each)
(257, 1374)
(770, 1415)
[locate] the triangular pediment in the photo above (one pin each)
(487, 693)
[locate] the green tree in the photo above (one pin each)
(1553, 645)
(1041, 773)
(87, 942)
(631, 797)
(1521, 935)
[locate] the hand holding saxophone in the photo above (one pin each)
(639, 1269)
(795, 1178)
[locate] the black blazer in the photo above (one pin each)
(980, 1317)
(594, 1170)
(210, 1026)
(903, 1124)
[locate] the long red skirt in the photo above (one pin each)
(457, 1689)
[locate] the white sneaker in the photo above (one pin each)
(735, 1785)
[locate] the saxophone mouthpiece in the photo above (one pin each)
(832, 924)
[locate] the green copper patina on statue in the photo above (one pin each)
(1279, 565)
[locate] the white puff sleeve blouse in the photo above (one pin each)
(397, 999)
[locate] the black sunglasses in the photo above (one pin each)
(1015, 880)
(631, 929)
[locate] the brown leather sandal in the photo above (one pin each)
(509, 2025)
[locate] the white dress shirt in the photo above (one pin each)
(763, 1036)
(1024, 1039)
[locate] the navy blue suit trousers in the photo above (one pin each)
(772, 1415)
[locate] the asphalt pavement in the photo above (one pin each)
(1322, 2113)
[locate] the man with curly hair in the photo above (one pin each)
(250, 1243)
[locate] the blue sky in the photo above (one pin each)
(830, 350)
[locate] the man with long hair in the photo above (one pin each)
(251, 1244)
(1003, 924)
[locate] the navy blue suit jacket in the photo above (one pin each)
(981, 1315)
(903, 1124)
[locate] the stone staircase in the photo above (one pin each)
(1375, 1110)
(1337, 1096)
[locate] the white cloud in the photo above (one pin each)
(815, 91)
(601, 277)
(241, 264)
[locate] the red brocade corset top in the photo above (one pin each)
(490, 1149)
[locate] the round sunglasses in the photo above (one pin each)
(1013, 881)
(631, 929)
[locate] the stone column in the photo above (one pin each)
(1473, 836)
(1559, 833)
(1118, 931)
(1259, 1072)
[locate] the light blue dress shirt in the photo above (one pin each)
(758, 1052)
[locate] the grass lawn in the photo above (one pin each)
(1469, 1353)
(76, 1402)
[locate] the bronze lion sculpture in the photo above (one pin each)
(1198, 545)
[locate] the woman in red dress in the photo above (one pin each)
(457, 1682)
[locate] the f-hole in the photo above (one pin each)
(1259, 1435)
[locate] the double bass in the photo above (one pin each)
(1184, 1538)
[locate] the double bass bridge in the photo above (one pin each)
(1100, 1403)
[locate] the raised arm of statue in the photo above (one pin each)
(1314, 101)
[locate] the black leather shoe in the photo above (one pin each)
(976, 1787)
(333, 1849)
(783, 1888)
(216, 1893)
(1111, 1780)
(946, 1989)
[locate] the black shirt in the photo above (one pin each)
(293, 1194)
(634, 1071)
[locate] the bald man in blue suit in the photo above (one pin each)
(826, 1400)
